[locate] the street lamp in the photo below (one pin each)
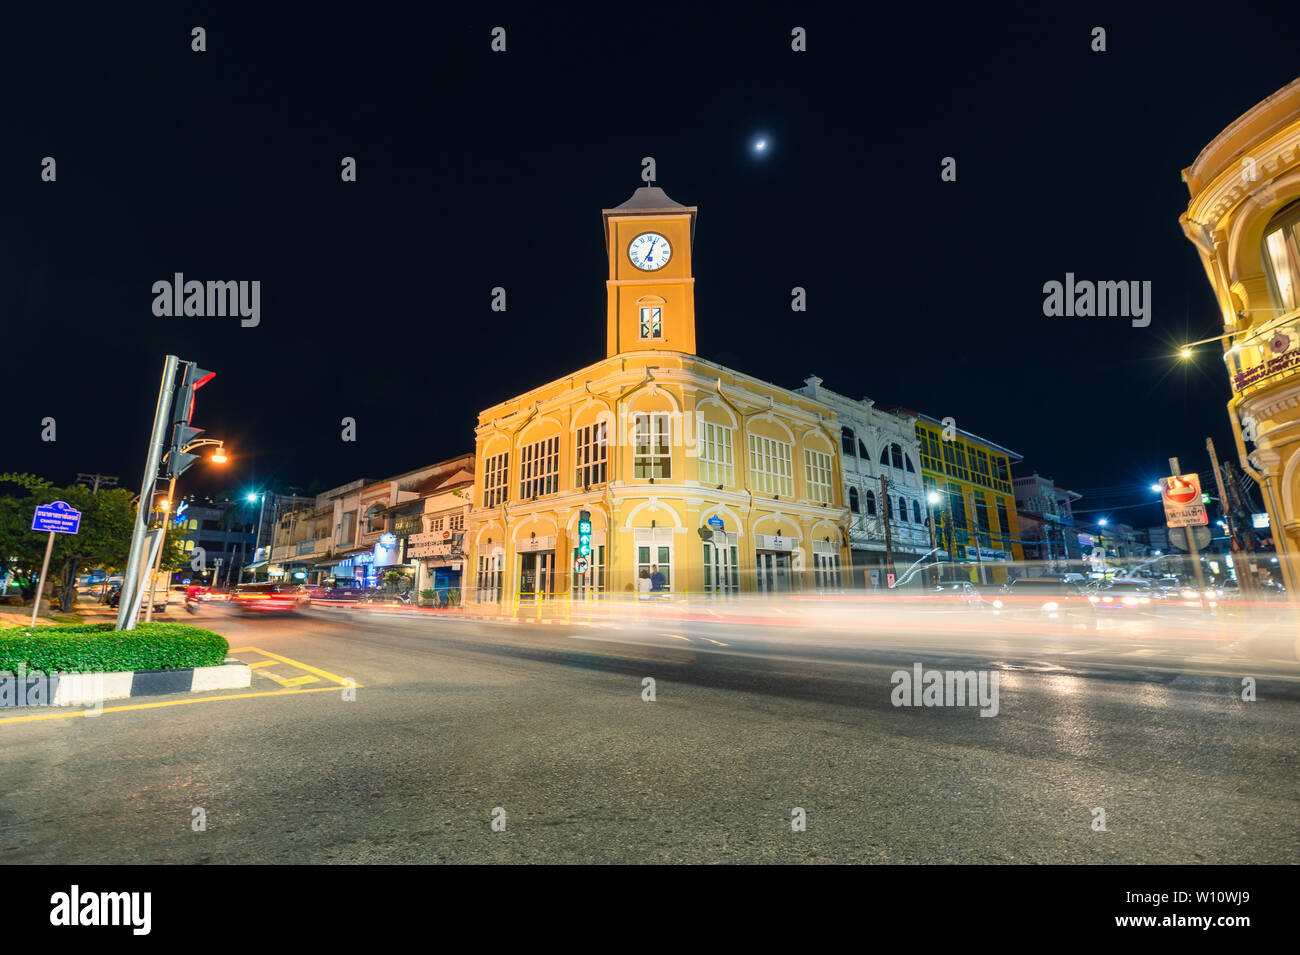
(219, 457)
(932, 499)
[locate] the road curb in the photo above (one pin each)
(81, 689)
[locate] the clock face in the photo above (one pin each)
(649, 251)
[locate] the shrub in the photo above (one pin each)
(98, 648)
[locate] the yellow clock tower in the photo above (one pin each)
(651, 289)
(654, 467)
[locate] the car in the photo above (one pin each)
(342, 593)
(270, 598)
(1045, 598)
(1124, 595)
(961, 592)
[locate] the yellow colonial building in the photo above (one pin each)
(1244, 219)
(975, 516)
(701, 480)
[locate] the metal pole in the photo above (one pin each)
(885, 510)
(153, 581)
(1191, 546)
(1239, 562)
(933, 546)
(40, 587)
(161, 420)
(146, 560)
(257, 540)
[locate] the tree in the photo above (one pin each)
(104, 540)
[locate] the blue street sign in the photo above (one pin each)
(715, 522)
(59, 517)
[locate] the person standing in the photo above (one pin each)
(657, 580)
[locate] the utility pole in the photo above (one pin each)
(889, 539)
(929, 510)
(1239, 563)
(95, 480)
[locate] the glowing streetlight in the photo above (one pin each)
(1184, 352)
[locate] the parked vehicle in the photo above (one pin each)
(270, 598)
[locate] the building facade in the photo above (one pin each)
(889, 523)
(975, 511)
(1050, 539)
(700, 479)
(223, 532)
(1244, 220)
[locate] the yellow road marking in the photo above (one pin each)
(711, 640)
(341, 681)
(675, 636)
(152, 706)
(260, 663)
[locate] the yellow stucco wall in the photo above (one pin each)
(1239, 184)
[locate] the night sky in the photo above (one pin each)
(478, 169)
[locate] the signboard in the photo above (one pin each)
(407, 525)
(1178, 537)
(984, 553)
(1270, 358)
(58, 518)
(1181, 496)
(715, 522)
(773, 542)
(431, 549)
(1260, 521)
(388, 541)
(536, 544)
(580, 565)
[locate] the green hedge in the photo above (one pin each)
(98, 648)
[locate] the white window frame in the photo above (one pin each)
(818, 476)
(591, 455)
(651, 321)
(656, 460)
(771, 466)
(717, 457)
(539, 468)
(496, 479)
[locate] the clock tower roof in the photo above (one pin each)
(649, 201)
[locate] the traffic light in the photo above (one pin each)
(584, 533)
(182, 410)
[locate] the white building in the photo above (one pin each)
(882, 476)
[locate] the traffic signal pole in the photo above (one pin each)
(157, 441)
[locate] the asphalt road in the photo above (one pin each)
(455, 719)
